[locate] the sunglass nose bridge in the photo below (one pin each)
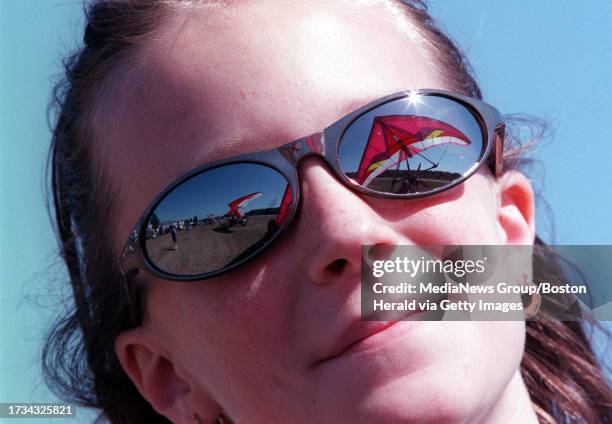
(313, 144)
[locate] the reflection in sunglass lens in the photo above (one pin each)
(411, 145)
(217, 219)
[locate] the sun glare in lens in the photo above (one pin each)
(414, 98)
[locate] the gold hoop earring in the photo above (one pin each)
(220, 420)
(531, 307)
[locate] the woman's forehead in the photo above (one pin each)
(215, 84)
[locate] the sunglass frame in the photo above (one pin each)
(285, 160)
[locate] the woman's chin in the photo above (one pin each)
(419, 397)
(416, 372)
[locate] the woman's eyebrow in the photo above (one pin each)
(224, 147)
(346, 106)
(235, 144)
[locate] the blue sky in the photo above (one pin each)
(547, 58)
(212, 192)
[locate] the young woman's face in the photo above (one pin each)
(262, 342)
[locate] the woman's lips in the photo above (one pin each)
(362, 336)
(358, 336)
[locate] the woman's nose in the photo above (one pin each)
(334, 223)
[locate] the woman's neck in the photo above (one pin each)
(513, 407)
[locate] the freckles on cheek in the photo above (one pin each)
(469, 219)
(248, 306)
(247, 329)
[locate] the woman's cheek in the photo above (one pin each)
(444, 225)
(485, 354)
(469, 218)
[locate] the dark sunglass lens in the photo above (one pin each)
(217, 219)
(416, 144)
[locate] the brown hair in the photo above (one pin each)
(559, 367)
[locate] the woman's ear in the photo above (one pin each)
(160, 381)
(516, 215)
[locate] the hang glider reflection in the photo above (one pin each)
(283, 211)
(394, 140)
(236, 215)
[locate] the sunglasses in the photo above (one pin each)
(408, 145)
